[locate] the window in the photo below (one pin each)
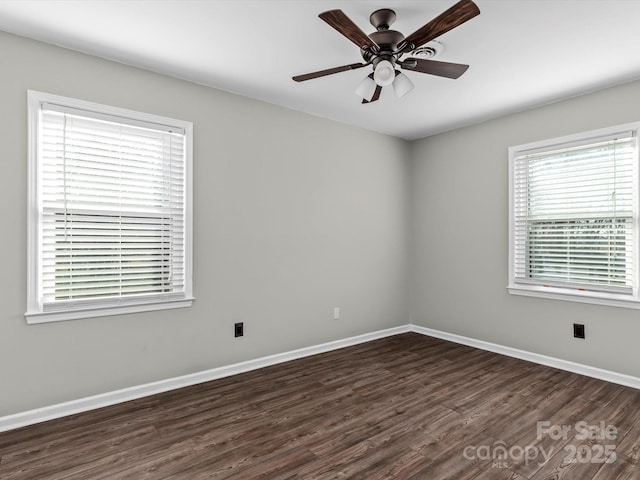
(109, 210)
(573, 219)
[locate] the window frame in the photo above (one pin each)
(35, 313)
(570, 293)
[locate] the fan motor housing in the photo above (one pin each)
(387, 40)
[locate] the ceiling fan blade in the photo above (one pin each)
(441, 69)
(456, 15)
(343, 24)
(328, 71)
(376, 95)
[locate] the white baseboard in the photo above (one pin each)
(59, 410)
(607, 375)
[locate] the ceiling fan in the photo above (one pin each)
(384, 49)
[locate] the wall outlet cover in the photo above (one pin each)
(239, 329)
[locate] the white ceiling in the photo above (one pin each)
(522, 53)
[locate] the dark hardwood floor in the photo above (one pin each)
(404, 407)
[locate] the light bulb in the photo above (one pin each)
(366, 89)
(402, 85)
(384, 73)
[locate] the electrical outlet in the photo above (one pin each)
(336, 313)
(578, 330)
(239, 329)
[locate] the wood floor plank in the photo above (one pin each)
(629, 445)
(402, 407)
(623, 468)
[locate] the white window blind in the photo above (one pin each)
(112, 207)
(574, 210)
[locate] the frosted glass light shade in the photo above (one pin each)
(384, 73)
(366, 89)
(402, 85)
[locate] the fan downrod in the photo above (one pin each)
(382, 19)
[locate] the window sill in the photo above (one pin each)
(571, 295)
(46, 317)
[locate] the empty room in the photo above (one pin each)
(314, 240)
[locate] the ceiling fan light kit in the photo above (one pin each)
(384, 49)
(384, 73)
(402, 85)
(366, 88)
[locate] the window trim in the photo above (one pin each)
(614, 299)
(34, 314)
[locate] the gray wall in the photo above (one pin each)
(293, 215)
(460, 238)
